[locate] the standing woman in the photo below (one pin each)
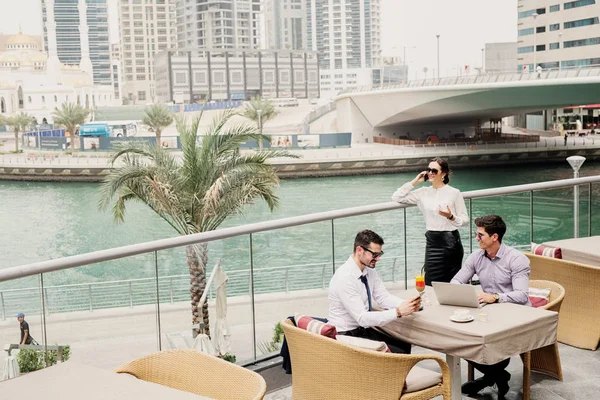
(444, 209)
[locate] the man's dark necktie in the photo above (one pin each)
(363, 278)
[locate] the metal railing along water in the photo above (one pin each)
(487, 78)
(175, 288)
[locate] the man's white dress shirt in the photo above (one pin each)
(348, 302)
(430, 200)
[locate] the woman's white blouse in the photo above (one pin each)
(430, 201)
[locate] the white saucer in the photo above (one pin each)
(469, 319)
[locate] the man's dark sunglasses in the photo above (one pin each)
(373, 253)
(432, 170)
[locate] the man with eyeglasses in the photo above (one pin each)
(504, 276)
(356, 286)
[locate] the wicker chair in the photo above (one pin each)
(325, 368)
(199, 373)
(579, 320)
(545, 360)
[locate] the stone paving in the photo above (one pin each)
(108, 338)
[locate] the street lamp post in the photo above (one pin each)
(482, 61)
(576, 162)
(438, 56)
(404, 63)
(559, 46)
(535, 15)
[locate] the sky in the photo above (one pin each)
(464, 27)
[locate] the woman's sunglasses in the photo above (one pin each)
(432, 170)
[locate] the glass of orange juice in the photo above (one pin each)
(420, 283)
(420, 286)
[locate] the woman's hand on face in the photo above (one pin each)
(444, 213)
(419, 178)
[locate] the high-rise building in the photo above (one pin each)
(115, 70)
(347, 36)
(218, 24)
(554, 34)
(145, 29)
(285, 24)
(79, 30)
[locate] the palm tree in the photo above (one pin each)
(266, 108)
(70, 116)
(19, 123)
(157, 117)
(198, 192)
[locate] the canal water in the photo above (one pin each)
(42, 221)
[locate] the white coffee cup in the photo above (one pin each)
(461, 313)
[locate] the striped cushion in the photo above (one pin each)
(363, 343)
(312, 325)
(546, 251)
(539, 297)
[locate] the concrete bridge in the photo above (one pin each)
(447, 106)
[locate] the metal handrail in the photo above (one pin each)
(179, 241)
(550, 73)
(173, 288)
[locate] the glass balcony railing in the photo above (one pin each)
(285, 267)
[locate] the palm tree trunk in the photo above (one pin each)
(157, 132)
(16, 141)
(197, 257)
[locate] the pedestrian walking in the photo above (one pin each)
(26, 337)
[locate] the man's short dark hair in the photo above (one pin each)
(492, 224)
(365, 238)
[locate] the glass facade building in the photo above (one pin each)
(347, 36)
(68, 37)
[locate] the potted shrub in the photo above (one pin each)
(30, 360)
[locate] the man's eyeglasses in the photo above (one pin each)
(479, 235)
(373, 253)
(432, 170)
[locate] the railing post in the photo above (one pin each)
(590, 209)
(470, 229)
(252, 304)
(130, 295)
(394, 270)
(332, 248)
(287, 287)
(323, 277)
(531, 216)
(90, 296)
(3, 309)
(405, 254)
(171, 289)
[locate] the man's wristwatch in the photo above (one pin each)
(450, 217)
(496, 297)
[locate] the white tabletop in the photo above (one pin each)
(510, 329)
(73, 381)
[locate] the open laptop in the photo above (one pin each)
(452, 294)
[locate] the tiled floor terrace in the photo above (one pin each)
(108, 338)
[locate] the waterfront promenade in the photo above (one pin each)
(108, 338)
(362, 158)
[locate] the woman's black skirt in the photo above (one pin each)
(443, 256)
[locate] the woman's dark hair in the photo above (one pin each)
(445, 168)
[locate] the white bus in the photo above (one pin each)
(122, 128)
(285, 102)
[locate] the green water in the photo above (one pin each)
(41, 221)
